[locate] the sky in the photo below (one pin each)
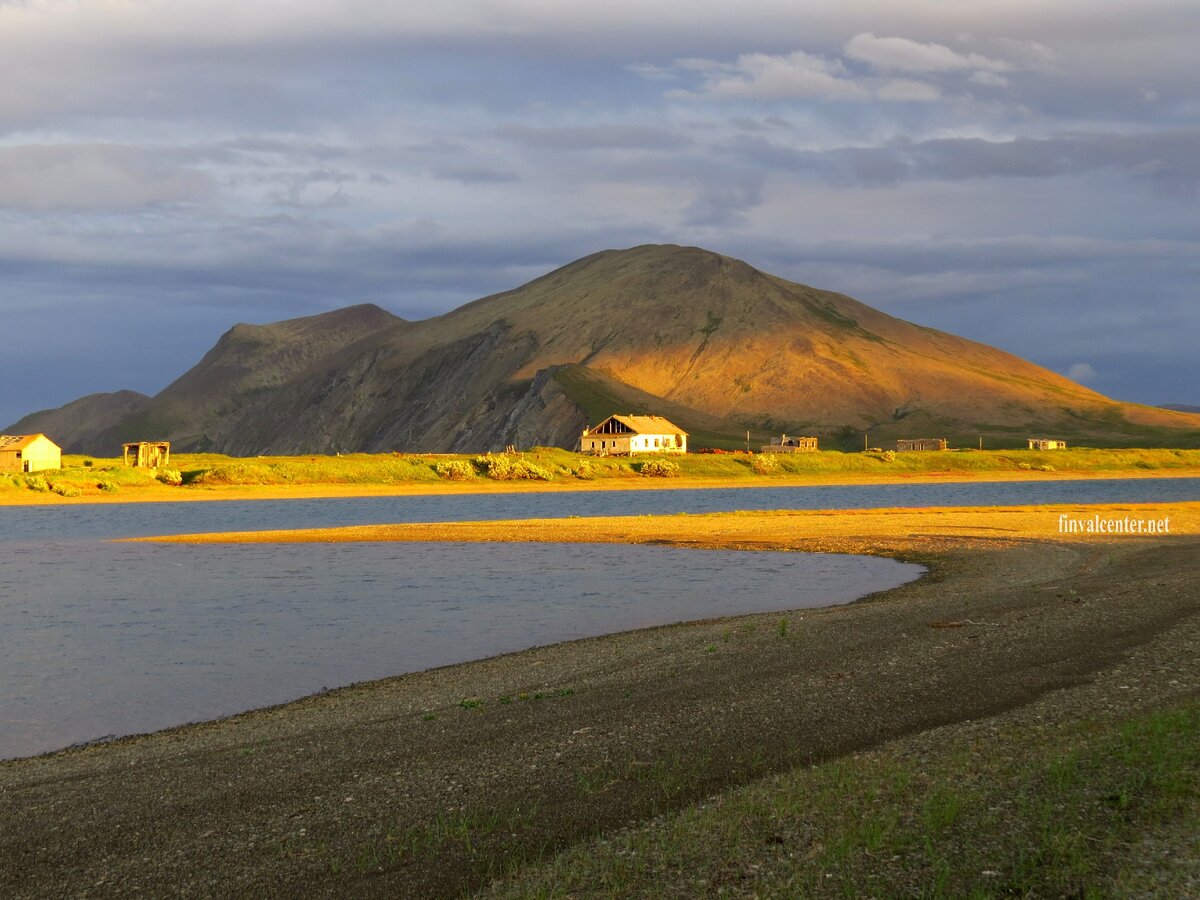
(1021, 173)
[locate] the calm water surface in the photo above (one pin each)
(98, 638)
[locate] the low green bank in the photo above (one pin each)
(85, 474)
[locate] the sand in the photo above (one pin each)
(346, 793)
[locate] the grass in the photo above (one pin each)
(1035, 812)
(85, 474)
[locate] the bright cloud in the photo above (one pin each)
(912, 56)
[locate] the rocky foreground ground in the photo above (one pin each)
(444, 782)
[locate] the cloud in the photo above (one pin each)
(92, 176)
(1170, 161)
(909, 90)
(616, 136)
(764, 76)
(1081, 372)
(911, 56)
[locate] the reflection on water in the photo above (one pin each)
(104, 638)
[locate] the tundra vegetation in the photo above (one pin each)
(200, 471)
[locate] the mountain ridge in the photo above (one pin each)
(728, 347)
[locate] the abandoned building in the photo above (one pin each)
(790, 444)
(903, 446)
(626, 435)
(28, 453)
(147, 454)
(1046, 444)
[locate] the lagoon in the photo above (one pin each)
(100, 639)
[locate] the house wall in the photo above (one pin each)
(625, 444)
(38, 456)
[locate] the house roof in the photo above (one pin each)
(19, 441)
(646, 424)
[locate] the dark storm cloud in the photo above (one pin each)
(950, 162)
(1170, 160)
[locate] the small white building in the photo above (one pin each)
(28, 453)
(626, 435)
(1046, 444)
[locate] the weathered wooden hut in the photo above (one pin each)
(904, 446)
(28, 453)
(147, 454)
(787, 443)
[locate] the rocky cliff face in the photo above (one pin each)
(702, 338)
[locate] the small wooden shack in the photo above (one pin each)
(147, 454)
(28, 453)
(790, 444)
(904, 446)
(1046, 444)
(625, 435)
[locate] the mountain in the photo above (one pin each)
(1181, 407)
(706, 340)
(78, 422)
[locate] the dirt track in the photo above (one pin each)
(400, 789)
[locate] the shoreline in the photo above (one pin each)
(155, 493)
(587, 733)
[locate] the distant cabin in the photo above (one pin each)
(147, 454)
(626, 435)
(921, 444)
(1046, 444)
(790, 444)
(28, 453)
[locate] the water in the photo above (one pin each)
(104, 639)
(38, 523)
(98, 638)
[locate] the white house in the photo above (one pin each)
(28, 453)
(626, 435)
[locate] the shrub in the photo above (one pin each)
(455, 470)
(1024, 465)
(659, 468)
(172, 477)
(34, 483)
(110, 486)
(239, 473)
(765, 464)
(1045, 468)
(65, 490)
(584, 470)
(502, 467)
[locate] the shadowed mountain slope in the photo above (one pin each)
(701, 338)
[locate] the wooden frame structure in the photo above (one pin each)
(147, 454)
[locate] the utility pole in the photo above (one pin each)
(981, 442)
(747, 441)
(866, 440)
